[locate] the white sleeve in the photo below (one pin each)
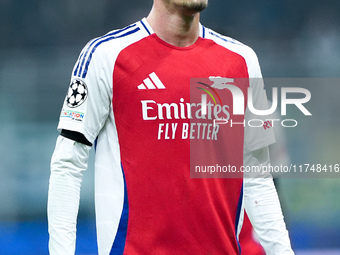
(263, 207)
(68, 162)
(258, 131)
(88, 100)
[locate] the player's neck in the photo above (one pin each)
(175, 26)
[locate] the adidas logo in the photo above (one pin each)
(153, 82)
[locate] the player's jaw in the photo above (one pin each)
(190, 5)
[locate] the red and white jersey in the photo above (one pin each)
(248, 240)
(130, 96)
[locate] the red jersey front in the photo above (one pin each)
(139, 110)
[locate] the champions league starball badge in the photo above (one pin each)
(77, 93)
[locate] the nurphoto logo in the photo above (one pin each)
(299, 97)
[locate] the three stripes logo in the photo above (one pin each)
(152, 82)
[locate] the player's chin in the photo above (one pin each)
(199, 6)
(195, 5)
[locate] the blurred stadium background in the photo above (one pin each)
(40, 41)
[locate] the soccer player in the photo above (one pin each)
(130, 99)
